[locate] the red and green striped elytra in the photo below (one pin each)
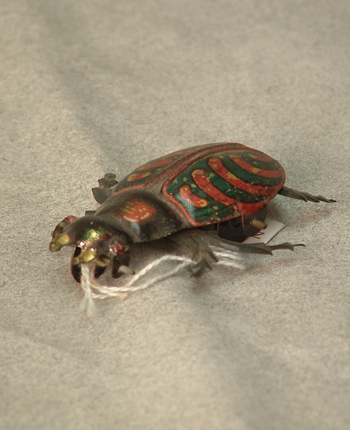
(215, 193)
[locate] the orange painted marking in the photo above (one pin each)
(249, 208)
(156, 163)
(187, 195)
(137, 176)
(136, 211)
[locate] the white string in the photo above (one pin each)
(95, 290)
(87, 303)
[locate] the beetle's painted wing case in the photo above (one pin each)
(156, 170)
(210, 183)
(225, 184)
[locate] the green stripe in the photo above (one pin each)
(265, 165)
(207, 213)
(248, 177)
(217, 181)
(232, 191)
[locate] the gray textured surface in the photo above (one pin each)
(92, 86)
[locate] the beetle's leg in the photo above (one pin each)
(104, 190)
(199, 240)
(203, 256)
(301, 195)
(258, 248)
(239, 228)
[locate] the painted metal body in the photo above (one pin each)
(194, 187)
(221, 186)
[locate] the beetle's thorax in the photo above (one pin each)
(142, 215)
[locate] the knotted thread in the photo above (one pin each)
(94, 290)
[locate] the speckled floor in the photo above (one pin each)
(89, 87)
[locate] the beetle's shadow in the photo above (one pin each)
(145, 253)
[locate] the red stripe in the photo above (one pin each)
(256, 170)
(260, 156)
(218, 167)
(158, 163)
(250, 208)
(191, 198)
(137, 176)
(200, 178)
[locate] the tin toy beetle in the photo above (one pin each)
(212, 194)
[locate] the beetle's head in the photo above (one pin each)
(95, 240)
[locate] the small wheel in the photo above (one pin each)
(238, 229)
